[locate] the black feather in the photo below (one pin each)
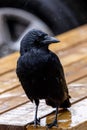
(40, 71)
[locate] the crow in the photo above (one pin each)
(41, 73)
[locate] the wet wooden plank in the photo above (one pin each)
(76, 70)
(12, 99)
(8, 81)
(8, 63)
(81, 82)
(73, 118)
(71, 38)
(80, 47)
(12, 127)
(77, 92)
(23, 114)
(78, 89)
(74, 54)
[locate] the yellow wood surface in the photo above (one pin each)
(15, 109)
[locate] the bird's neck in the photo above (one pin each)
(44, 48)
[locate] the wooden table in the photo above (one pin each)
(16, 111)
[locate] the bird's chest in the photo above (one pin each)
(39, 88)
(37, 63)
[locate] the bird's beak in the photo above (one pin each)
(49, 40)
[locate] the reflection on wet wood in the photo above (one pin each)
(12, 99)
(16, 112)
(70, 119)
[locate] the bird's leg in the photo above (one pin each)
(36, 121)
(54, 123)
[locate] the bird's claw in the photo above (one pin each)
(54, 123)
(36, 122)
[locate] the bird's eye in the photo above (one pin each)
(40, 38)
(43, 36)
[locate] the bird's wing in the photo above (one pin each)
(56, 69)
(59, 72)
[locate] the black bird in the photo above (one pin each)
(41, 74)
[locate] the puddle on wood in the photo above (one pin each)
(73, 116)
(67, 119)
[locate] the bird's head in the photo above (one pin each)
(36, 38)
(42, 39)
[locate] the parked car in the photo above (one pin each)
(52, 16)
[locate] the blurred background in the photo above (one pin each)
(17, 17)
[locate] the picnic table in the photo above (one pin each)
(16, 110)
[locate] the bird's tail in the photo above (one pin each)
(50, 102)
(66, 103)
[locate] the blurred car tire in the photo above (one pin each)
(53, 12)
